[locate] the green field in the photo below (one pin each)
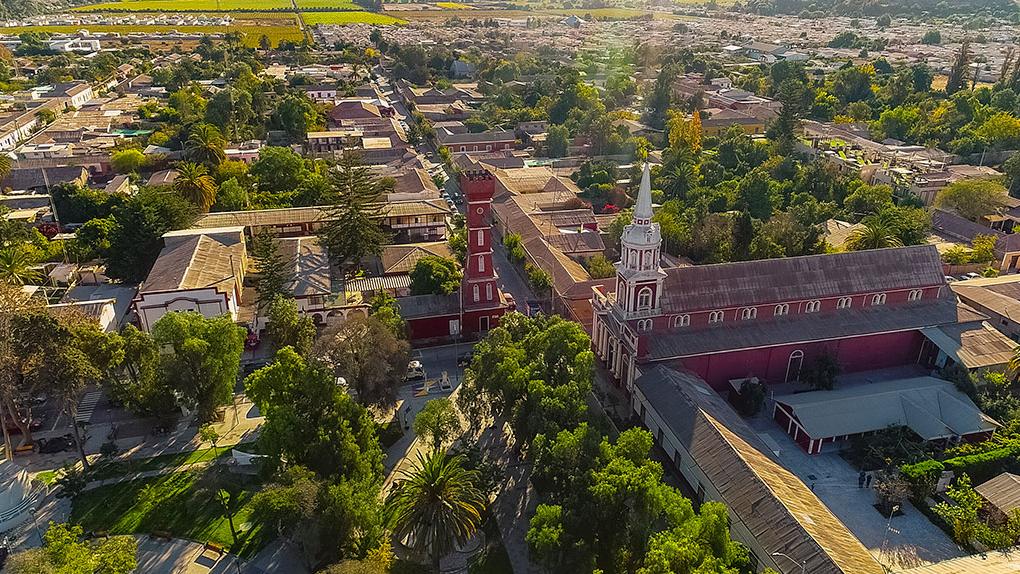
(454, 6)
(251, 34)
(313, 18)
(188, 5)
(327, 5)
(182, 503)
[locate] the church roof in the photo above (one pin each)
(743, 284)
(802, 328)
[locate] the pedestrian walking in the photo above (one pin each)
(860, 480)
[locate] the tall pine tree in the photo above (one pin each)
(960, 71)
(352, 230)
(275, 273)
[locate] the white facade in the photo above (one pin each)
(208, 301)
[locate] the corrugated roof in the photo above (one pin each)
(311, 265)
(996, 562)
(299, 215)
(378, 283)
(931, 407)
(775, 506)
(1003, 492)
(976, 345)
(429, 305)
(197, 261)
(840, 324)
(732, 285)
(402, 258)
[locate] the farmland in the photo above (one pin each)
(454, 6)
(313, 18)
(313, 5)
(251, 33)
(187, 5)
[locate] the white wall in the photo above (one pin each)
(208, 301)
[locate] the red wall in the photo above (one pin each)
(770, 364)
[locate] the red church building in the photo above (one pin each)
(479, 304)
(770, 319)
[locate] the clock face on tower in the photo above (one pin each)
(479, 211)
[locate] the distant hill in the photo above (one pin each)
(874, 8)
(10, 9)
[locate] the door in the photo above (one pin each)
(794, 366)
(483, 324)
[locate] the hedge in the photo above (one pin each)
(985, 465)
(922, 476)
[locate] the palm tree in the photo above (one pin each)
(436, 506)
(874, 233)
(679, 179)
(195, 184)
(15, 267)
(205, 145)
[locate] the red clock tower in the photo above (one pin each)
(481, 300)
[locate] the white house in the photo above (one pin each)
(198, 270)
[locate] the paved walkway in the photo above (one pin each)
(909, 541)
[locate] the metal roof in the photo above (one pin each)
(776, 507)
(931, 407)
(1003, 492)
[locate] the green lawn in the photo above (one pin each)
(251, 34)
(454, 6)
(182, 503)
(168, 461)
(313, 18)
(188, 5)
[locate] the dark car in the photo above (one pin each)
(534, 308)
(464, 359)
(56, 444)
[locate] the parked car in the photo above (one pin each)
(56, 444)
(464, 359)
(950, 278)
(511, 304)
(972, 275)
(415, 371)
(534, 308)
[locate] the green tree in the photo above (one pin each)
(275, 273)
(366, 354)
(127, 161)
(962, 513)
(960, 71)
(201, 358)
(352, 230)
(556, 141)
(65, 552)
(279, 170)
(384, 308)
(196, 185)
(436, 506)
(296, 116)
(206, 146)
(932, 37)
(139, 226)
(973, 198)
(232, 196)
(93, 238)
(876, 233)
(437, 422)
(16, 266)
(231, 111)
(311, 421)
(851, 85)
(599, 267)
(435, 275)
(143, 390)
(287, 327)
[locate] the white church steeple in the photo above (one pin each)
(639, 275)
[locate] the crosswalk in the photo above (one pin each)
(87, 405)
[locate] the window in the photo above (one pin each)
(794, 365)
(633, 259)
(644, 298)
(844, 303)
(644, 325)
(474, 292)
(488, 291)
(480, 237)
(878, 299)
(812, 306)
(481, 264)
(782, 309)
(915, 295)
(715, 317)
(748, 313)
(681, 320)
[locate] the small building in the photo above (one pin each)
(487, 141)
(44, 179)
(200, 270)
(1002, 494)
(933, 408)
(720, 120)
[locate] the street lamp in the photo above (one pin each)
(803, 565)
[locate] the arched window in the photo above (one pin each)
(748, 313)
(844, 303)
(793, 366)
(488, 291)
(481, 264)
(812, 306)
(633, 259)
(681, 320)
(782, 309)
(480, 237)
(915, 295)
(644, 298)
(878, 299)
(474, 292)
(715, 317)
(644, 325)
